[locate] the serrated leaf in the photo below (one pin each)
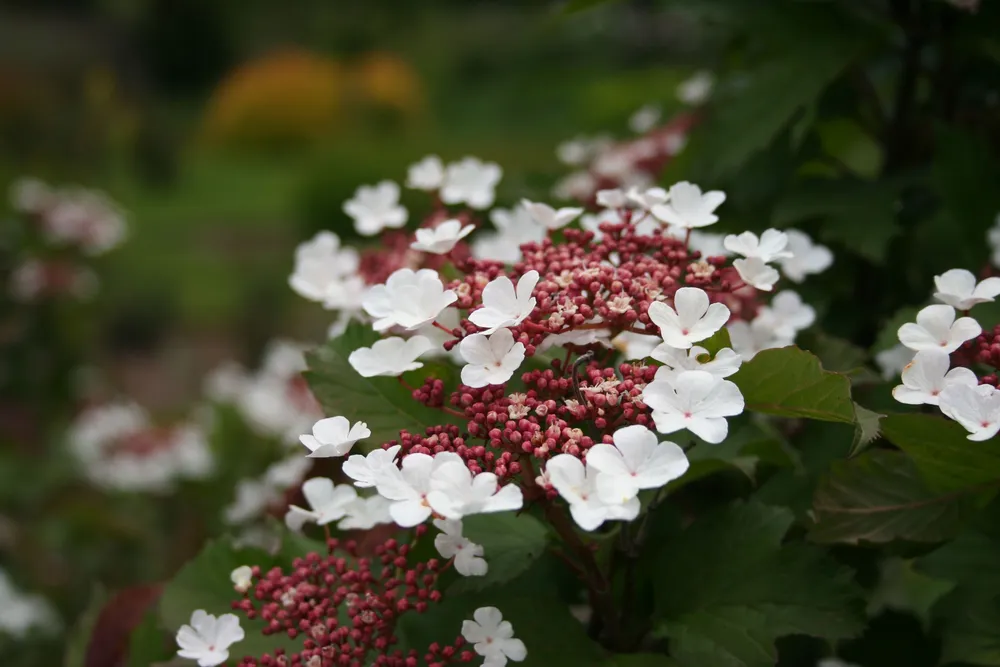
(868, 427)
(902, 588)
(383, 403)
(790, 382)
(728, 588)
(511, 544)
(947, 459)
(880, 497)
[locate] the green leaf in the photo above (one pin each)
(847, 143)
(880, 497)
(79, 640)
(947, 459)
(789, 382)
(728, 588)
(902, 588)
(639, 660)
(511, 544)
(717, 341)
(888, 334)
(867, 429)
(574, 6)
(383, 403)
(146, 646)
(971, 633)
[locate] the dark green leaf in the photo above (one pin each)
(867, 429)
(790, 382)
(728, 588)
(717, 341)
(879, 497)
(639, 660)
(79, 640)
(947, 459)
(851, 147)
(383, 403)
(511, 544)
(971, 633)
(146, 646)
(574, 6)
(902, 588)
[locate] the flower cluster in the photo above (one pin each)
(22, 613)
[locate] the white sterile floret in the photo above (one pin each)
(927, 376)
(771, 245)
(428, 174)
(975, 408)
(207, 639)
(254, 496)
(450, 543)
(490, 360)
(333, 436)
(327, 501)
(503, 306)
(592, 222)
(647, 198)
(636, 461)
(455, 492)
(408, 299)
(807, 257)
(367, 470)
(577, 485)
(441, 239)
(749, 338)
(636, 346)
(22, 613)
(612, 198)
(376, 207)
(515, 227)
(645, 118)
(321, 267)
(756, 273)
(690, 320)
(688, 207)
(390, 357)
(958, 288)
(493, 638)
(697, 88)
(549, 217)
(893, 360)
(787, 314)
(725, 363)
(365, 514)
(242, 578)
(695, 400)
(937, 329)
(471, 181)
(407, 486)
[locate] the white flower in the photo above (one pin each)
(365, 514)
(30, 195)
(84, 217)
(993, 238)
(242, 578)
(375, 207)
(697, 88)
(769, 247)
(592, 222)
(578, 337)
(21, 612)
(645, 118)
(515, 227)
(725, 363)
(502, 305)
(578, 150)
(390, 357)
(252, 498)
(333, 436)
(937, 328)
(688, 207)
(756, 273)
(636, 461)
(491, 360)
(409, 299)
(407, 486)
(614, 198)
(647, 198)
(451, 544)
(577, 485)
(893, 360)
(787, 314)
(207, 639)
(321, 267)
(636, 346)
(471, 181)
(695, 400)
(975, 408)
(441, 239)
(287, 472)
(807, 257)
(579, 185)
(958, 288)
(327, 501)
(927, 376)
(750, 338)
(708, 244)
(549, 217)
(456, 493)
(693, 320)
(367, 470)
(428, 174)
(493, 638)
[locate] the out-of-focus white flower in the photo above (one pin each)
(376, 207)
(697, 88)
(242, 578)
(580, 150)
(694, 400)
(450, 543)
(958, 288)
(675, 361)
(366, 513)
(893, 360)
(33, 279)
(749, 338)
(409, 299)
(86, 218)
(690, 320)
(645, 118)
(328, 502)
(977, 408)
(807, 257)
(275, 401)
(254, 496)
(20, 613)
(503, 306)
(613, 198)
(493, 638)
(30, 195)
(390, 357)
(549, 217)
(490, 360)
(225, 382)
(207, 639)
(471, 181)
(927, 376)
(636, 346)
(592, 222)
(937, 328)
(428, 174)
(993, 238)
(441, 239)
(636, 461)
(333, 436)
(647, 198)
(515, 227)
(787, 314)
(688, 207)
(767, 248)
(322, 267)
